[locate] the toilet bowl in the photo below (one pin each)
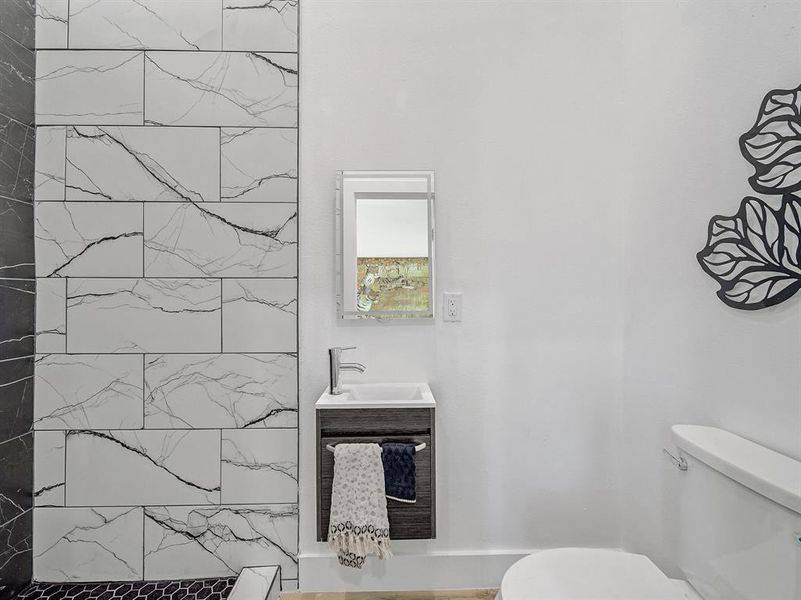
(589, 574)
(738, 514)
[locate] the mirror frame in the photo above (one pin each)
(428, 195)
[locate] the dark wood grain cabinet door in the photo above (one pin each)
(406, 521)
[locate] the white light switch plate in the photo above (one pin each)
(452, 306)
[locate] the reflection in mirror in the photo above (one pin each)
(385, 239)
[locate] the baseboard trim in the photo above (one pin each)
(408, 572)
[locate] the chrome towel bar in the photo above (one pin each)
(417, 448)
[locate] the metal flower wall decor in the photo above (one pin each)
(755, 255)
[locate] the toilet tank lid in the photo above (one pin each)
(765, 471)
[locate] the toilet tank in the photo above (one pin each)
(739, 517)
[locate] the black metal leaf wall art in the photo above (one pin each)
(773, 144)
(755, 255)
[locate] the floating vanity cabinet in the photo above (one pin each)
(354, 424)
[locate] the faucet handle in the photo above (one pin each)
(342, 348)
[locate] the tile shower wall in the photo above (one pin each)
(17, 290)
(165, 410)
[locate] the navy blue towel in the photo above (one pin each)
(400, 472)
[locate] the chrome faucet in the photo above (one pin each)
(336, 365)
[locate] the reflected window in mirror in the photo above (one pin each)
(385, 244)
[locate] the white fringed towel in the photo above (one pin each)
(359, 525)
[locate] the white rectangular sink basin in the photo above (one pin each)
(379, 395)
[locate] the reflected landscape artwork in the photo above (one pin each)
(392, 283)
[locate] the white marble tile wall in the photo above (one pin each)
(258, 164)
(87, 544)
(205, 541)
(253, 391)
(51, 314)
(238, 89)
(48, 468)
(145, 164)
(166, 396)
(77, 391)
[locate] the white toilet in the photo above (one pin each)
(739, 529)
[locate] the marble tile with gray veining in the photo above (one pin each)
(114, 468)
(93, 391)
(89, 87)
(16, 20)
(16, 80)
(259, 315)
(16, 396)
(16, 543)
(16, 232)
(184, 541)
(220, 240)
(16, 466)
(145, 24)
(144, 164)
(220, 390)
(17, 333)
(235, 89)
(51, 23)
(87, 544)
(259, 465)
(143, 315)
(49, 177)
(48, 473)
(88, 239)
(266, 25)
(51, 315)
(16, 159)
(259, 165)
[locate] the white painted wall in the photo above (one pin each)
(698, 73)
(502, 100)
(563, 134)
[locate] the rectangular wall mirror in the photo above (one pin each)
(385, 244)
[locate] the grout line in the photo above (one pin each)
(174, 278)
(156, 352)
(144, 396)
(297, 297)
(185, 429)
(143, 240)
(144, 83)
(172, 126)
(144, 577)
(160, 50)
(66, 312)
(64, 190)
(197, 505)
(65, 469)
